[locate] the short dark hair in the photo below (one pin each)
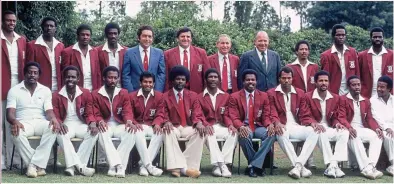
(297, 46)
(7, 12)
(70, 67)
(285, 69)
(83, 27)
(179, 70)
(249, 71)
(146, 74)
(386, 79)
(335, 27)
(44, 20)
(29, 64)
(184, 30)
(110, 68)
(351, 78)
(111, 25)
(375, 30)
(144, 27)
(211, 70)
(319, 73)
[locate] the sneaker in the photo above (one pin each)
(296, 171)
(339, 173)
(86, 171)
(216, 171)
(377, 174)
(31, 171)
(305, 173)
(120, 171)
(390, 170)
(154, 171)
(368, 173)
(143, 171)
(225, 172)
(111, 171)
(330, 172)
(41, 172)
(70, 171)
(193, 173)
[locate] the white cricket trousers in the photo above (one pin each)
(226, 155)
(148, 154)
(341, 138)
(388, 144)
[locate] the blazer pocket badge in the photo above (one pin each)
(390, 69)
(352, 65)
(119, 110)
(312, 79)
(82, 110)
(222, 109)
(259, 113)
(199, 68)
(152, 112)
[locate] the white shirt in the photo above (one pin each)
(12, 48)
(323, 104)
(287, 99)
(176, 95)
(343, 88)
(377, 67)
(213, 97)
(247, 105)
(382, 112)
(357, 119)
(261, 57)
(102, 91)
(51, 54)
(71, 105)
(181, 50)
(304, 70)
(221, 62)
(142, 54)
(151, 93)
(113, 59)
(87, 71)
(29, 106)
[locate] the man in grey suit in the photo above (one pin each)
(266, 62)
(142, 58)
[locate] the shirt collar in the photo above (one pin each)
(279, 88)
(348, 95)
(247, 93)
(16, 36)
(104, 93)
(40, 41)
(182, 49)
(22, 86)
(176, 92)
(266, 51)
(142, 49)
(221, 55)
(63, 92)
(217, 92)
(334, 49)
(383, 51)
(297, 62)
(106, 48)
(315, 95)
(151, 93)
(76, 47)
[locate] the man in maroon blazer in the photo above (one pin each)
(214, 104)
(111, 53)
(374, 62)
(144, 103)
(85, 58)
(318, 111)
(179, 113)
(355, 114)
(250, 112)
(193, 58)
(12, 61)
(46, 50)
(226, 64)
(340, 61)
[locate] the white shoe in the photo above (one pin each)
(154, 171)
(70, 171)
(41, 172)
(390, 170)
(368, 173)
(225, 172)
(143, 171)
(330, 172)
(86, 171)
(376, 173)
(31, 171)
(216, 171)
(305, 173)
(339, 173)
(120, 171)
(111, 171)
(296, 171)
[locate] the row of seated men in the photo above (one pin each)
(281, 114)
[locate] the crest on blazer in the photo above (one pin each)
(222, 109)
(199, 68)
(82, 110)
(352, 65)
(312, 79)
(152, 112)
(259, 113)
(390, 69)
(119, 110)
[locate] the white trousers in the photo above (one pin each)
(388, 144)
(8, 143)
(341, 138)
(191, 157)
(304, 133)
(226, 155)
(147, 155)
(357, 147)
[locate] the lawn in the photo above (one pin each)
(280, 174)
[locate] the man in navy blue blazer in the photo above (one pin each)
(266, 62)
(143, 57)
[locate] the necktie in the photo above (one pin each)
(250, 113)
(185, 59)
(224, 75)
(145, 60)
(263, 61)
(181, 107)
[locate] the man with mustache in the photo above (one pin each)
(374, 62)
(382, 107)
(46, 50)
(249, 111)
(85, 58)
(144, 103)
(340, 61)
(318, 111)
(13, 60)
(29, 107)
(355, 114)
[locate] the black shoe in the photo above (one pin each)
(252, 172)
(275, 167)
(260, 172)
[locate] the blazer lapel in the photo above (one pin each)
(93, 64)
(77, 56)
(137, 57)
(176, 56)
(363, 112)
(384, 61)
(270, 64)
(317, 104)
(215, 63)
(281, 100)
(335, 55)
(152, 58)
(45, 53)
(64, 102)
(208, 100)
(4, 47)
(171, 95)
(257, 61)
(186, 100)
(142, 104)
(256, 105)
(370, 65)
(243, 100)
(293, 104)
(192, 56)
(329, 109)
(299, 71)
(121, 58)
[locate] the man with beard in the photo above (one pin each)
(179, 113)
(340, 61)
(216, 124)
(111, 53)
(285, 101)
(13, 60)
(29, 107)
(143, 57)
(144, 103)
(85, 58)
(46, 50)
(318, 112)
(374, 63)
(355, 114)
(249, 111)
(382, 112)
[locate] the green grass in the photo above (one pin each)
(280, 174)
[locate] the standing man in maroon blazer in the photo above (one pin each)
(111, 53)
(374, 62)
(12, 63)
(85, 58)
(226, 64)
(193, 58)
(46, 50)
(340, 61)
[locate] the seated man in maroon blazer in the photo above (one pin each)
(355, 114)
(179, 113)
(214, 105)
(144, 103)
